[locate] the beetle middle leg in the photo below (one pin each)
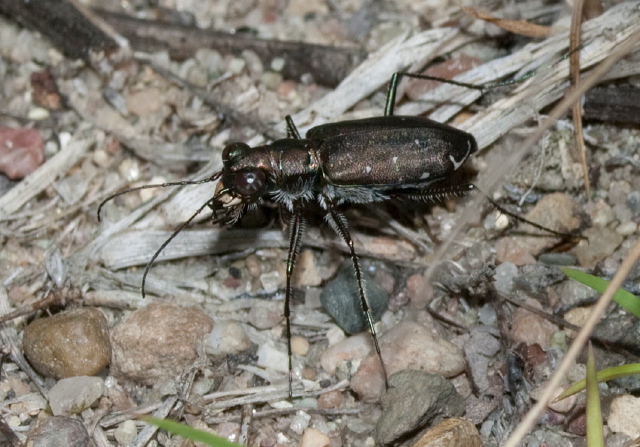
(395, 80)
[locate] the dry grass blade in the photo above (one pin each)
(574, 44)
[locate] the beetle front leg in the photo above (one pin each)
(339, 224)
(296, 229)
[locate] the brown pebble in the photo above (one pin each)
(451, 432)
(530, 328)
(145, 102)
(555, 211)
(45, 90)
(253, 266)
(600, 243)
(508, 249)
(308, 374)
(73, 343)
(157, 342)
(420, 291)
(332, 399)
(58, 431)
(299, 345)
(306, 272)
(21, 151)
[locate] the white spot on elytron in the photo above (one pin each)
(457, 164)
(425, 175)
(367, 169)
(395, 159)
(417, 142)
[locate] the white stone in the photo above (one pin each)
(227, 337)
(126, 432)
(300, 422)
(272, 358)
(623, 417)
(75, 394)
(355, 347)
(313, 437)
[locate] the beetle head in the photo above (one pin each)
(243, 182)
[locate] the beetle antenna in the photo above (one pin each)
(503, 210)
(168, 241)
(212, 178)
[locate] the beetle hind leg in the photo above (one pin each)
(339, 224)
(297, 224)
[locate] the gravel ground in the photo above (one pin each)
(207, 344)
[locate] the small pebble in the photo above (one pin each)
(126, 432)
(601, 214)
(273, 358)
(145, 102)
(21, 151)
(299, 345)
(479, 349)
(157, 342)
(38, 114)
(277, 64)
(253, 265)
(408, 345)
(555, 211)
(236, 65)
(309, 374)
(633, 202)
(600, 243)
(413, 399)
(503, 278)
(577, 316)
(227, 337)
(509, 249)
(266, 314)
(529, 328)
(129, 169)
(101, 158)
(72, 343)
(75, 394)
(271, 280)
(623, 416)
(271, 79)
(313, 437)
(627, 228)
(355, 347)
(453, 432)
(331, 399)
(341, 299)
(300, 422)
(335, 335)
(420, 291)
(58, 431)
(45, 90)
(306, 272)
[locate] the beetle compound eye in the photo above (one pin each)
(249, 183)
(233, 150)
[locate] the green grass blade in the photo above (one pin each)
(627, 300)
(191, 433)
(595, 432)
(602, 376)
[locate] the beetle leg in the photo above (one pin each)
(296, 229)
(339, 224)
(292, 130)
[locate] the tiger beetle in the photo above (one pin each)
(358, 161)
